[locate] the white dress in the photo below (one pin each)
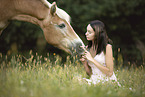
(97, 75)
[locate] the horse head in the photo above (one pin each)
(59, 33)
(54, 22)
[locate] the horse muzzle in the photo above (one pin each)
(76, 48)
(73, 46)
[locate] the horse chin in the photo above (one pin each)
(70, 50)
(64, 48)
(76, 50)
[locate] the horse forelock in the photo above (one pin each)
(62, 14)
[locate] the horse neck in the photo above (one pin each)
(34, 8)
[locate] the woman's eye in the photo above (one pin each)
(61, 25)
(89, 32)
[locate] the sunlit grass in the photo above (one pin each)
(36, 78)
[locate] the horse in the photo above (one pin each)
(54, 22)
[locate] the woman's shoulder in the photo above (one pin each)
(109, 50)
(108, 47)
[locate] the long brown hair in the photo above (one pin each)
(101, 38)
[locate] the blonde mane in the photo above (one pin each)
(61, 13)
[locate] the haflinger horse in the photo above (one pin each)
(54, 21)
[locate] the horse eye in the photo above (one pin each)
(61, 25)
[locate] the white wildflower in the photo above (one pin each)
(22, 82)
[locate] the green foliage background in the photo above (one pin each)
(124, 21)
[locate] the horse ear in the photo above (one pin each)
(53, 8)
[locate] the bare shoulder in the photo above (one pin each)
(109, 53)
(109, 47)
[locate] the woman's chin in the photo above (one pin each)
(88, 39)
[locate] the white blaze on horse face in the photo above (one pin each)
(62, 14)
(72, 40)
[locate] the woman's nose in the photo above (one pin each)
(86, 33)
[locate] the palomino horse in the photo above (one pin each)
(54, 21)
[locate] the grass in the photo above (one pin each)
(37, 78)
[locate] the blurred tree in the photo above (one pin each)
(24, 35)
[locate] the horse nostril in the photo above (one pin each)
(79, 50)
(75, 47)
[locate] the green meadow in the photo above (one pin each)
(38, 76)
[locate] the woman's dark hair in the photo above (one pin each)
(101, 38)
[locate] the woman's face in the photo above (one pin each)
(90, 34)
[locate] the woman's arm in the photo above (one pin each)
(108, 70)
(86, 66)
(109, 59)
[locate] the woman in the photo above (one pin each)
(98, 60)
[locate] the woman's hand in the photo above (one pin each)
(87, 55)
(82, 59)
